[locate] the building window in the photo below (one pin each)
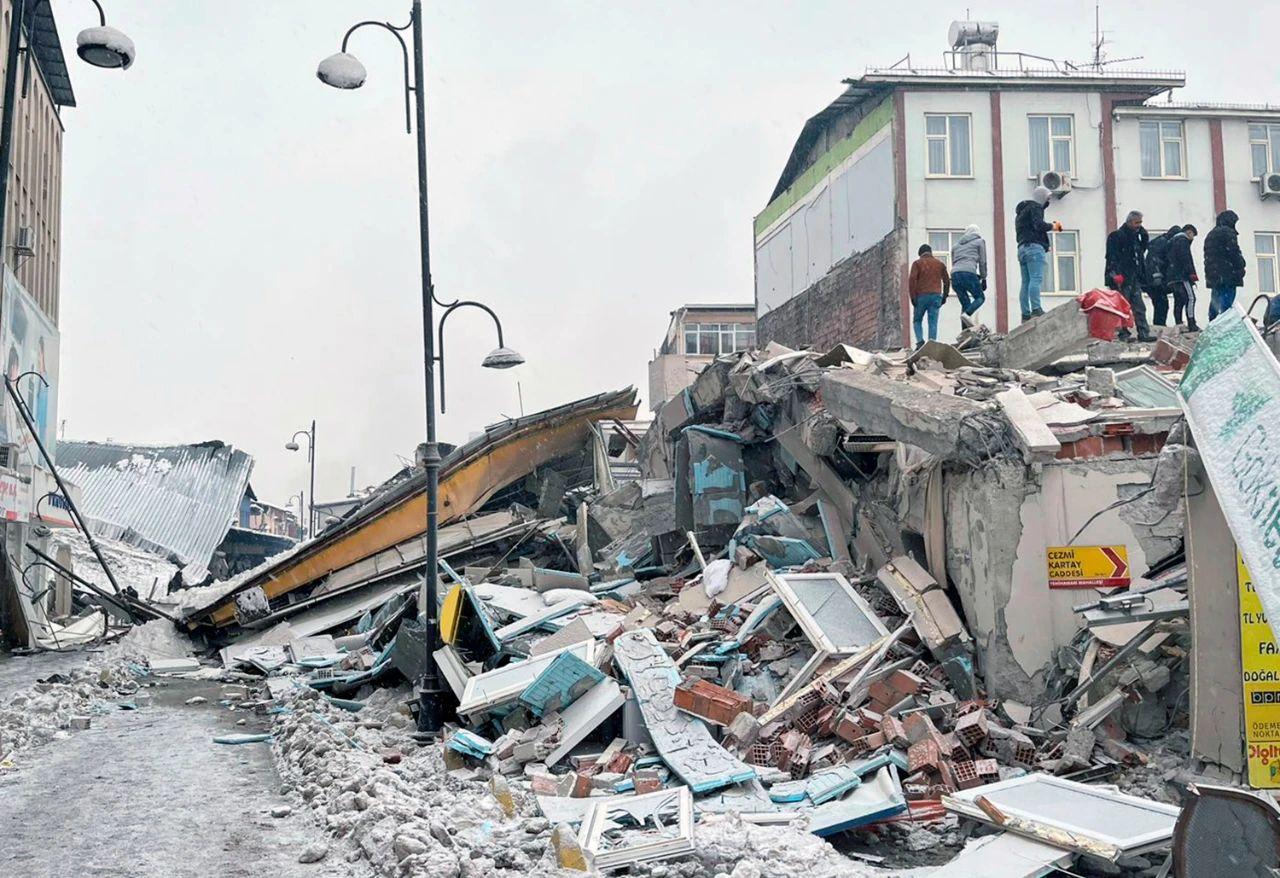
(1264, 148)
(948, 145)
(1163, 148)
(1062, 266)
(942, 241)
(1052, 144)
(1267, 246)
(718, 338)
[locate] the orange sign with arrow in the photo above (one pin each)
(1087, 566)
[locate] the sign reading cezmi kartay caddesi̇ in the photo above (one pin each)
(1260, 664)
(1087, 566)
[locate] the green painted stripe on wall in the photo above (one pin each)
(870, 124)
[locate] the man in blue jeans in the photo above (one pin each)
(928, 285)
(969, 273)
(1033, 243)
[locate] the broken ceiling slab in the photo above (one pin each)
(1086, 819)
(929, 420)
(1038, 342)
(917, 592)
(683, 741)
(623, 831)
(503, 685)
(576, 631)
(1006, 855)
(547, 613)
(1030, 432)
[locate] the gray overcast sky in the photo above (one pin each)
(240, 242)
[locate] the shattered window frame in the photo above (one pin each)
(653, 839)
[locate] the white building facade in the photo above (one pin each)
(912, 156)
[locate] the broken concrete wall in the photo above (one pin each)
(858, 302)
(1001, 517)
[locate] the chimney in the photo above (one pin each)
(974, 43)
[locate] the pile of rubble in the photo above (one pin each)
(802, 597)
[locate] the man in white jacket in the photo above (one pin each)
(969, 273)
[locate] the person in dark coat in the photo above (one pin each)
(1181, 277)
(1223, 263)
(1125, 263)
(1156, 285)
(1032, 233)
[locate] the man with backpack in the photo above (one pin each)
(1223, 263)
(1156, 284)
(1181, 277)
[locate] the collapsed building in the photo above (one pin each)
(1001, 586)
(843, 590)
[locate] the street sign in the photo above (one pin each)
(1087, 566)
(1260, 664)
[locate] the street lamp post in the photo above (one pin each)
(292, 445)
(345, 71)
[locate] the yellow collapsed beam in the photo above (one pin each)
(465, 484)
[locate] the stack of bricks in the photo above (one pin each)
(893, 689)
(709, 701)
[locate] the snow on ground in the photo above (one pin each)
(413, 818)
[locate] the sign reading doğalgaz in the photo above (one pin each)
(1260, 664)
(1087, 566)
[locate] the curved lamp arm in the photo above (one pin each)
(440, 336)
(17, 383)
(102, 16)
(409, 87)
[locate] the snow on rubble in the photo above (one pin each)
(371, 785)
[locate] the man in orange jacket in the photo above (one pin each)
(928, 285)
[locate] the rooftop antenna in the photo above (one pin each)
(1100, 40)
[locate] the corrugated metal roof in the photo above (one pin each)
(169, 499)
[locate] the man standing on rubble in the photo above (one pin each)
(1125, 266)
(969, 273)
(928, 286)
(1223, 263)
(1180, 274)
(1032, 232)
(1158, 286)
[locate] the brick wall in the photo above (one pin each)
(858, 302)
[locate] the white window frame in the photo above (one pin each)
(1273, 258)
(1273, 159)
(1051, 265)
(1181, 140)
(719, 331)
(1070, 173)
(944, 256)
(946, 139)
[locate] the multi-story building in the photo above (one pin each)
(909, 155)
(30, 254)
(697, 335)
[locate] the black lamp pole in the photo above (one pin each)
(349, 73)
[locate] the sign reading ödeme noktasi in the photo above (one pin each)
(1230, 392)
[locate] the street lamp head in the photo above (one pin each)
(291, 446)
(105, 46)
(342, 70)
(502, 358)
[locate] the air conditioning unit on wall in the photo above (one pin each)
(24, 241)
(1058, 184)
(1269, 185)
